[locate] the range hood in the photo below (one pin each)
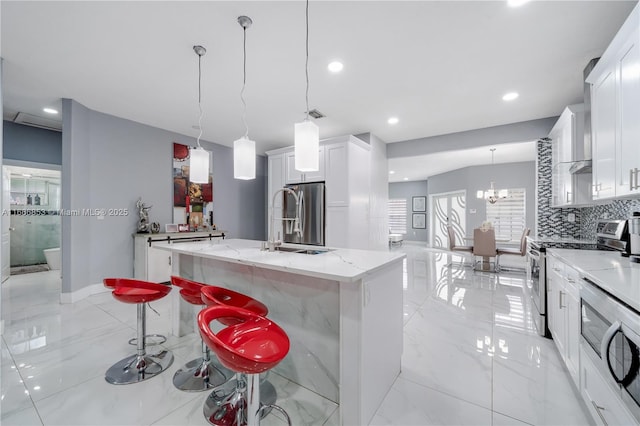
(584, 165)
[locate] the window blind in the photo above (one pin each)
(398, 215)
(508, 215)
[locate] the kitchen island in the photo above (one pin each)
(342, 310)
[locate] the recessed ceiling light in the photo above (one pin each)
(391, 172)
(405, 178)
(516, 3)
(510, 96)
(50, 110)
(393, 120)
(335, 66)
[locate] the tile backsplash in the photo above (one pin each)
(553, 222)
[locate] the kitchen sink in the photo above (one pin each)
(302, 250)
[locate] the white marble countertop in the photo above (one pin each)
(339, 264)
(610, 271)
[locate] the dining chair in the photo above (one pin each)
(453, 247)
(484, 245)
(516, 251)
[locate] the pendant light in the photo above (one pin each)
(199, 158)
(492, 195)
(244, 149)
(306, 133)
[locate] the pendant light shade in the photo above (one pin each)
(244, 159)
(307, 134)
(199, 165)
(199, 158)
(492, 195)
(244, 149)
(307, 146)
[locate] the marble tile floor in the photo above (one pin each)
(470, 357)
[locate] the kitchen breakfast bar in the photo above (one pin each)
(341, 308)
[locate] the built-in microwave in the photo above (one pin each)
(610, 333)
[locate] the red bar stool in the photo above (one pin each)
(150, 339)
(213, 296)
(141, 366)
(250, 344)
(201, 373)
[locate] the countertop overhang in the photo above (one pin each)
(339, 264)
(608, 270)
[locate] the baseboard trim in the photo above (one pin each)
(83, 293)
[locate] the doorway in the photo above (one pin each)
(449, 208)
(34, 225)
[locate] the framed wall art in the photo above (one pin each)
(419, 221)
(419, 204)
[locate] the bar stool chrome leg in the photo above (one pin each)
(201, 374)
(141, 366)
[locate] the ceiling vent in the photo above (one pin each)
(316, 114)
(35, 121)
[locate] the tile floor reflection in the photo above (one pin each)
(471, 357)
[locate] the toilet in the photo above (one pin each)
(53, 257)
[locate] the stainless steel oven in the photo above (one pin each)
(610, 335)
(536, 288)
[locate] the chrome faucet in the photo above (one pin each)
(272, 243)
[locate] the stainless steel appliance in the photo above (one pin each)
(536, 288)
(311, 214)
(634, 237)
(610, 336)
(610, 234)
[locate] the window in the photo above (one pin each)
(398, 216)
(508, 215)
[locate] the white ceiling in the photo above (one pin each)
(439, 66)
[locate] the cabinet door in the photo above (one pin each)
(292, 175)
(296, 176)
(318, 176)
(603, 114)
(601, 400)
(556, 312)
(572, 319)
(337, 175)
(628, 149)
(158, 264)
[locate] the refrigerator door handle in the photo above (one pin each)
(301, 211)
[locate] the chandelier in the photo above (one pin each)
(492, 195)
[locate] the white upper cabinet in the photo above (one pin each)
(567, 142)
(615, 92)
(296, 176)
(628, 152)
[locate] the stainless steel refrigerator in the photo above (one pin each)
(310, 212)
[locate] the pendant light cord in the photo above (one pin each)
(199, 99)
(307, 58)
(244, 84)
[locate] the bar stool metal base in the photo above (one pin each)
(222, 405)
(200, 375)
(136, 368)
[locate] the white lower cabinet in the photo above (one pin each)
(564, 313)
(601, 400)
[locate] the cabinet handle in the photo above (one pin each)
(560, 293)
(556, 269)
(571, 280)
(637, 185)
(169, 260)
(568, 197)
(631, 176)
(598, 410)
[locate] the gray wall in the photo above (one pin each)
(27, 143)
(408, 190)
(474, 178)
(109, 162)
(508, 133)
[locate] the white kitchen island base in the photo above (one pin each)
(342, 311)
